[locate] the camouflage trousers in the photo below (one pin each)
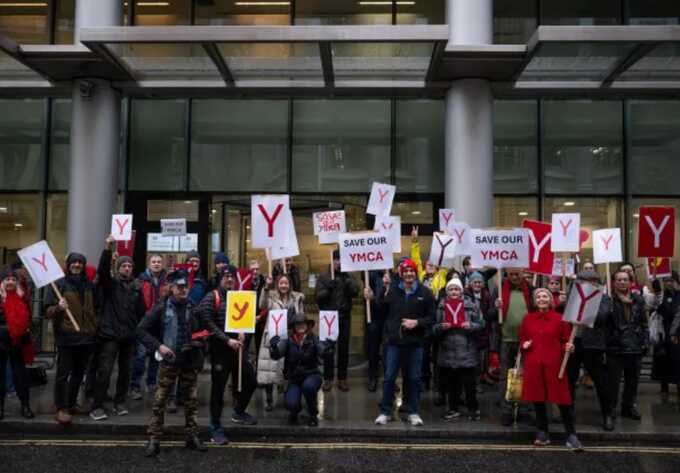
(188, 381)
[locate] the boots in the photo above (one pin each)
(26, 411)
(195, 443)
(152, 448)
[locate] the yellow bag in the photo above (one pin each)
(513, 390)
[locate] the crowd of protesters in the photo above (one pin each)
(437, 328)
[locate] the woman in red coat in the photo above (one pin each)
(544, 338)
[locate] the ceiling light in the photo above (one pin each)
(3, 209)
(379, 3)
(214, 211)
(18, 225)
(416, 212)
(149, 4)
(522, 213)
(23, 4)
(187, 201)
(636, 215)
(569, 204)
(262, 4)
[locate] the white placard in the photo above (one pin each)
(392, 227)
(607, 246)
(500, 248)
(277, 323)
(173, 226)
(463, 237)
(447, 217)
(269, 215)
(557, 267)
(121, 227)
(41, 264)
(443, 251)
(158, 242)
(329, 225)
(566, 233)
(188, 242)
(365, 251)
(290, 247)
(328, 325)
(380, 201)
(583, 303)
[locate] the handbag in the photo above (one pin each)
(513, 390)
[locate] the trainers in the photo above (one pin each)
(217, 435)
(98, 414)
(450, 415)
(574, 443)
(542, 439)
(415, 420)
(631, 412)
(120, 410)
(243, 418)
(136, 394)
(382, 419)
(475, 416)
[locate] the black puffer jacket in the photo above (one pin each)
(627, 333)
(596, 338)
(419, 305)
(300, 360)
(336, 294)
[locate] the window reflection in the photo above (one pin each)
(342, 12)
(166, 13)
(18, 224)
(514, 21)
(581, 12)
(21, 143)
(634, 220)
(510, 212)
(25, 21)
(515, 150)
(230, 12)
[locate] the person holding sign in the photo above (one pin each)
(168, 330)
(458, 318)
(224, 357)
(16, 346)
(410, 313)
(544, 338)
(627, 342)
(301, 353)
(75, 348)
(337, 294)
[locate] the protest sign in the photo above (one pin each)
(447, 217)
(462, 234)
(658, 268)
(329, 225)
(566, 233)
(391, 226)
(557, 269)
(173, 226)
(365, 251)
(454, 313)
(328, 325)
(270, 215)
(500, 248)
(380, 201)
(541, 259)
(288, 246)
(607, 246)
(127, 248)
(121, 227)
(277, 323)
(656, 232)
(443, 251)
(240, 317)
(583, 303)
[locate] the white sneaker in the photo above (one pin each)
(415, 420)
(382, 419)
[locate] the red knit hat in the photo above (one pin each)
(407, 263)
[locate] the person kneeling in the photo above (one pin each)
(302, 352)
(169, 330)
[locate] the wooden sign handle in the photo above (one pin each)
(500, 296)
(240, 367)
(567, 354)
(68, 311)
(368, 302)
(332, 265)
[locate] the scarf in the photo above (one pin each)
(627, 302)
(79, 282)
(17, 316)
(524, 287)
(298, 338)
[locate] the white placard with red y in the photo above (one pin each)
(607, 246)
(121, 227)
(380, 201)
(462, 235)
(277, 323)
(270, 220)
(541, 259)
(365, 251)
(583, 303)
(566, 236)
(500, 248)
(288, 246)
(656, 232)
(443, 251)
(328, 325)
(391, 226)
(447, 217)
(41, 264)
(329, 225)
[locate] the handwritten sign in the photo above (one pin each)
(329, 225)
(365, 251)
(277, 323)
(121, 227)
(173, 226)
(500, 248)
(240, 317)
(270, 219)
(328, 325)
(380, 201)
(443, 250)
(447, 217)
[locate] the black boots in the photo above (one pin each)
(26, 411)
(195, 443)
(2, 409)
(608, 423)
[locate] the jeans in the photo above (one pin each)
(413, 359)
(109, 350)
(309, 388)
(224, 362)
(342, 348)
(628, 367)
(71, 365)
(139, 366)
(15, 359)
(374, 332)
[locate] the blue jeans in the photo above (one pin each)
(412, 357)
(309, 388)
(139, 365)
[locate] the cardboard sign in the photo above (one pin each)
(541, 259)
(500, 248)
(328, 325)
(662, 266)
(241, 307)
(329, 225)
(447, 217)
(127, 248)
(270, 220)
(454, 313)
(557, 267)
(566, 233)
(656, 232)
(41, 264)
(380, 201)
(277, 323)
(365, 251)
(121, 227)
(583, 303)
(173, 226)
(391, 226)
(462, 234)
(607, 246)
(443, 251)
(289, 246)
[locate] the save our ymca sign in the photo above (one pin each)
(500, 248)
(656, 232)
(365, 251)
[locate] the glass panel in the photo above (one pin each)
(414, 213)
(21, 144)
(166, 61)
(60, 144)
(634, 218)
(654, 146)
(340, 145)
(420, 145)
(158, 148)
(430, 12)
(239, 145)
(166, 13)
(514, 21)
(272, 60)
(65, 21)
(515, 151)
(13, 70)
(160, 209)
(342, 12)
(662, 63)
(582, 146)
(581, 12)
(230, 12)
(381, 60)
(509, 212)
(19, 216)
(653, 12)
(57, 218)
(25, 21)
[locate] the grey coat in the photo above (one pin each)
(457, 347)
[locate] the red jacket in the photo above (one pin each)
(542, 361)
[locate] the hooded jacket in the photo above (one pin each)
(301, 360)
(457, 346)
(80, 294)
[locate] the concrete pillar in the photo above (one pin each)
(469, 121)
(95, 140)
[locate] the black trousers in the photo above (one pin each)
(72, 361)
(342, 348)
(109, 351)
(456, 381)
(426, 369)
(16, 360)
(628, 367)
(594, 361)
(566, 412)
(374, 333)
(224, 362)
